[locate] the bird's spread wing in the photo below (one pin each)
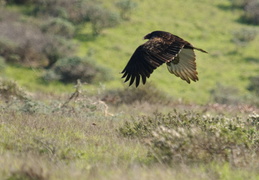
(184, 65)
(148, 57)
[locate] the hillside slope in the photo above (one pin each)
(206, 24)
(209, 25)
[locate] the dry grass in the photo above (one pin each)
(78, 137)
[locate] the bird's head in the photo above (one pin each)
(154, 34)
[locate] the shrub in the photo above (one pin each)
(54, 8)
(239, 3)
(148, 94)
(194, 138)
(254, 85)
(55, 48)
(101, 18)
(225, 95)
(2, 64)
(8, 50)
(21, 42)
(18, 1)
(244, 36)
(252, 12)
(70, 69)
(126, 6)
(28, 173)
(59, 27)
(9, 89)
(2, 3)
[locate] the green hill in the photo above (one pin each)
(209, 25)
(203, 23)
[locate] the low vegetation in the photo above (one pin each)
(80, 136)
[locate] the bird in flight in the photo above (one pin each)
(162, 47)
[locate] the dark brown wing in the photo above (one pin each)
(148, 57)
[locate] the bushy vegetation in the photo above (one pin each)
(250, 7)
(69, 70)
(126, 7)
(226, 95)
(149, 94)
(190, 137)
(243, 36)
(10, 89)
(59, 26)
(75, 12)
(166, 129)
(254, 85)
(26, 44)
(45, 139)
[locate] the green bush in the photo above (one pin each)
(101, 18)
(239, 3)
(149, 94)
(26, 44)
(126, 7)
(254, 85)
(252, 12)
(190, 137)
(69, 70)
(225, 95)
(55, 48)
(18, 1)
(53, 8)
(10, 89)
(8, 50)
(59, 27)
(2, 64)
(243, 36)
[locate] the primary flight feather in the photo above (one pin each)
(162, 47)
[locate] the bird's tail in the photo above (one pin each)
(200, 50)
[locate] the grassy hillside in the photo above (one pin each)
(167, 129)
(206, 24)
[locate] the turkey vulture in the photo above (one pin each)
(162, 47)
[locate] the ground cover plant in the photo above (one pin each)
(80, 136)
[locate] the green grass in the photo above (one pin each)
(43, 137)
(31, 80)
(204, 23)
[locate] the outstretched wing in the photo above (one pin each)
(148, 57)
(184, 65)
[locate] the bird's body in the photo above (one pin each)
(162, 47)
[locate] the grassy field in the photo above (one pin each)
(166, 129)
(85, 138)
(206, 24)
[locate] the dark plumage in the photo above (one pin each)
(162, 47)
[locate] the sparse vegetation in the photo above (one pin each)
(46, 139)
